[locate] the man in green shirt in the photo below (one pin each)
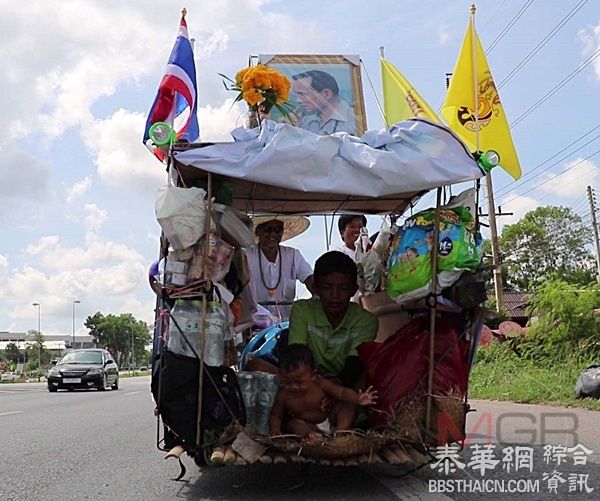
(330, 325)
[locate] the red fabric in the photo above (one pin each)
(397, 366)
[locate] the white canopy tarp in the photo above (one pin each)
(411, 156)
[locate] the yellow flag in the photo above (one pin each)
(494, 133)
(400, 98)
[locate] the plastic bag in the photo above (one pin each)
(409, 266)
(588, 383)
(180, 213)
(235, 226)
(185, 330)
(220, 254)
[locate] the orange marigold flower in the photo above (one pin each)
(252, 97)
(260, 84)
(239, 76)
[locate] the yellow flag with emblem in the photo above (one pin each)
(400, 98)
(458, 108)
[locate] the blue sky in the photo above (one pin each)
(77, 186)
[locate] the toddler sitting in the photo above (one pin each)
(299, 405)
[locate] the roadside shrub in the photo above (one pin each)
(566, 323)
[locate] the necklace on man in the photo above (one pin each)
(272, 291)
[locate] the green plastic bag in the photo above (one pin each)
(409, 266)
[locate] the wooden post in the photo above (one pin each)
(433, 308)
(590, 193)
(207, 290)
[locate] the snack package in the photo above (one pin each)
(409, 266)
(220, 254)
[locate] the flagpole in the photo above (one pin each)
(498, 286)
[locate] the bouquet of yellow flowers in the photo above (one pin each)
(262, 88)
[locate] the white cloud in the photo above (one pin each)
(3, 263)
(215, 42)
(590, 37)
(122, 159)
(79, 189)
(68, 58)
(570, 184)
(105, 276)
(216, 123)
(120, 156)
(44, 245)
(95, 218)
(519, 206)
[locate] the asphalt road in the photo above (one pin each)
(101, 445)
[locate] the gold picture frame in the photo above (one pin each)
(313, 104)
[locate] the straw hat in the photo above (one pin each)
(292, 225)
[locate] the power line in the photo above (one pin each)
(552, 177)
(556, 88)
(508, 186)
(540, 45)
(508, 26)
(493, 15)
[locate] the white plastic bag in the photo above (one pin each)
(181, 213)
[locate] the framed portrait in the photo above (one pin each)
(326, 95)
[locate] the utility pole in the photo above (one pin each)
(592, 200)
(498, 286)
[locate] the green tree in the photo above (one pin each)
(549, 242)
(567, 324)
(115, 332)
(37, 348)
(12, 353)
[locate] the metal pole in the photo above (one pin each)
(208, 289)
(590, 193)
(76, 301)
(39, 329)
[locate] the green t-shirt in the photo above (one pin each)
(309, 326)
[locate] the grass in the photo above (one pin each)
(499, 374)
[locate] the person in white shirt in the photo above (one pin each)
(275, 268)
(320, 108)
(350, 226)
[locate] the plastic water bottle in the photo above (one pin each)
(214, 346)
(266, 388)
(184, 325)
(248, 384)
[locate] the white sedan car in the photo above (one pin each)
(10, 376)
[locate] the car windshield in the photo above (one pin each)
(82, 357)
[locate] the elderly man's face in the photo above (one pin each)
(269, 234)
(307, 97)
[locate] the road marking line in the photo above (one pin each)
(10, 413)
(132, 393)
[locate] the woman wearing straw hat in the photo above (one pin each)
(275, 267)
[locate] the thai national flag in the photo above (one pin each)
(176, 100)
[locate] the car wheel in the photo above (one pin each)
(115, 386)
(104, 385)
(52, 390)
